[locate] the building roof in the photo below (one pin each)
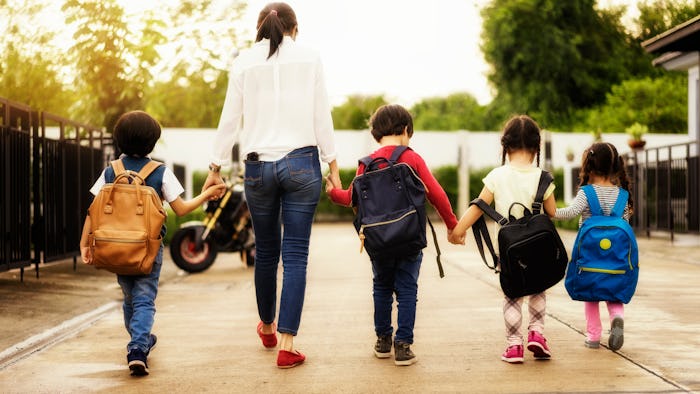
(682, 38)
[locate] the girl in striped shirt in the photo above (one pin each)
(603, 168)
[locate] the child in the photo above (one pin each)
(603, 168)
(135, 134)
(391, 126)
(516, 181)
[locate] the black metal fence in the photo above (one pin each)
(48, 164)
(665, 188)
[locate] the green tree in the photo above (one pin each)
(655, 17)
(113, 58)
(549, 57)
(193, 87)
(29, 70)
(459, 111)
(355, 112)
(659, 103)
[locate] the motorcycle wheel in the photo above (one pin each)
(248, 255)
(184, 254)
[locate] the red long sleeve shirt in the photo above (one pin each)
(434, 192)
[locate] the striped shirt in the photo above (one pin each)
(607, 195)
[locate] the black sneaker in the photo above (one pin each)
(152, 340)
(137, 362)
(382, 349)
(403, 354)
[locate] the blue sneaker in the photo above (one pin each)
(137, 362)
(152, 340)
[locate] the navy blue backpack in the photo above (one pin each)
(604, 263)
(390, 201)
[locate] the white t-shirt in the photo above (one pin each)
(171, 189)
(510, 184)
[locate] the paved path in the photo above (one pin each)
(207, 341)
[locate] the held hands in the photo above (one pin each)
(456, 237)
(214, 179)
(215, 192)
(333, 182)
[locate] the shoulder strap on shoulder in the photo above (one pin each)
(593, 203)
(366, 161)
(398, 151)
(545, 179)
(118, 167)
(620, 204)
(148, 169)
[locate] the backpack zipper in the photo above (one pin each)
(121, 240)
(601, 270)
(361, 233)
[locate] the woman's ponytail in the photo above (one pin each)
(274, 21)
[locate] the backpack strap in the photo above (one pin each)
(118, 167)
(481, 232)
(545, 179)
(593, 203)
(619, 208)
(398, 151)
(148, 169)
(437, 248)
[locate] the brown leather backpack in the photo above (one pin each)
(126, 219)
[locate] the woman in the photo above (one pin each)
(277, 92)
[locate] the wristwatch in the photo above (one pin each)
(214, 168)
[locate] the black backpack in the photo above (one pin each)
(531, 254)
(390, 201)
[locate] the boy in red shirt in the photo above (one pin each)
(392, 126)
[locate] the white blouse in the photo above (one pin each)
(275, 105)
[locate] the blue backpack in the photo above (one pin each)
(604, 262)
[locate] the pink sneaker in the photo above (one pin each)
(514, 354)
(538, 345)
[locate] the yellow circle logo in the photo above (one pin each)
(605, 244)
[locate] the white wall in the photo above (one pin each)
(191, 147)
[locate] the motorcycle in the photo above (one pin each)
(227, 227)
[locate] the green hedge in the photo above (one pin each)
(328, 211)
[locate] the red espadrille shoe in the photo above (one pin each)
(268, 340)
(287, 359)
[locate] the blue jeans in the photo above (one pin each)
(399, 276)
(283, 195)
(140, 304)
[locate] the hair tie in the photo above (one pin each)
(273, 12)
(590, 152)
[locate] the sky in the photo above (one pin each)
(405, 50)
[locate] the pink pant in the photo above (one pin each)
(594, 327)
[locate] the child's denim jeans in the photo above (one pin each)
(139, 304)
(400, 276)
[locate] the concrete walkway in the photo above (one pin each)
(207, 341)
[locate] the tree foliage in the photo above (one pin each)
(657, 16)
(355, 112)
(459, 111)
(549, 57)
(113, 59)
(659, 103)
(29, 72)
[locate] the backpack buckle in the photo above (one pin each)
(537, 206)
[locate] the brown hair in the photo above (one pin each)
(521, 132)
(390, 119)
(274, 21)
(602, 159)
